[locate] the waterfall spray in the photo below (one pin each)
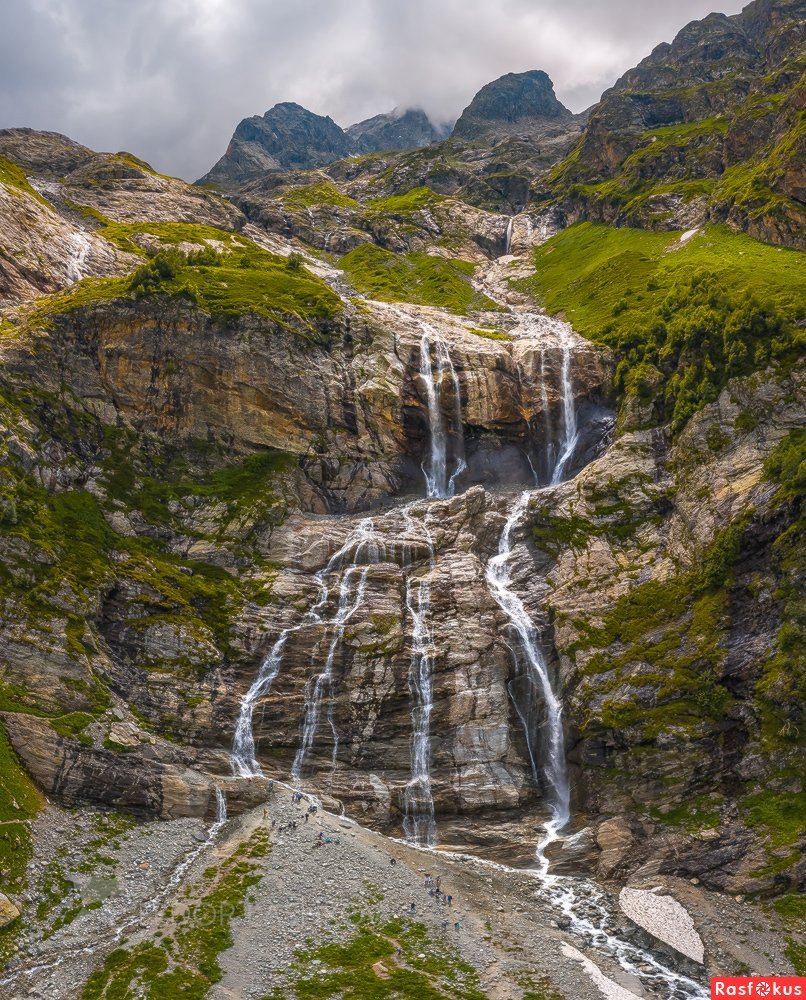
(500, 583)
(439, 482)
(419, 823)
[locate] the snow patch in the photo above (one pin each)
(665, 919)
(607, 987)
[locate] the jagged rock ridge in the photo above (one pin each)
(514, 104)
(707, 127)
(289, 137)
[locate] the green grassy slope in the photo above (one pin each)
(682, 316)
(413, 277)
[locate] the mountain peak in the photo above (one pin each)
(289, 137)
(409, 128)
(286, 137)
(510, 105)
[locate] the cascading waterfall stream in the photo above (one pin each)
(322, 684)
(544, 400)
(499, 581)
(364, 546)
(508, 236)
(79, 247)
(244, 763)
(570, 431)
(439, 482)
(580, 900)
(419, 823)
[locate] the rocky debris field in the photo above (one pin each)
(313, 914)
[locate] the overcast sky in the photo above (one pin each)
(170, 79)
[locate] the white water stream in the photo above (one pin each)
(570, 431)
(508, 236)
(439, 480)
(419, 822)
(584, 905)
(79, 247)
(499, 582)
(318, 687)
(587, 910)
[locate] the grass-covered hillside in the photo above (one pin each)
(224, 274)
(684, 312)
(414, 277)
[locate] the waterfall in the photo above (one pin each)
(570, 432)
(322, 684)
(555, 770)
(544, 400)
(244, 764)
(500, 583)
(221, 807)
(243, 760)
(419, 823)
(79, 247)
(508, 237)
(438, 481)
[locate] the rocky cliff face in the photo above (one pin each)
(705, 128)
(514, 104)
(250, 497)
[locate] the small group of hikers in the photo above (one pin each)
(433, 885)
(322, 839)
(296, 798)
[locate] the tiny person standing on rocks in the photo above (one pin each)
(413, 907)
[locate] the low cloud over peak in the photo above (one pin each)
(170, 81)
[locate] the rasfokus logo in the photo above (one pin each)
(758, 986)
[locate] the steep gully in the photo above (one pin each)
(586, 909)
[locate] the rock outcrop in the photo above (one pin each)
(398, 129)
(514, 104)
(705, 128)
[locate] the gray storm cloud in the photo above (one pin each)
(170, 80)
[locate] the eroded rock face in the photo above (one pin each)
(53, 216)
(518, 103)
(479, 764)
(41, 251)
(350, 407)
(726, 92)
